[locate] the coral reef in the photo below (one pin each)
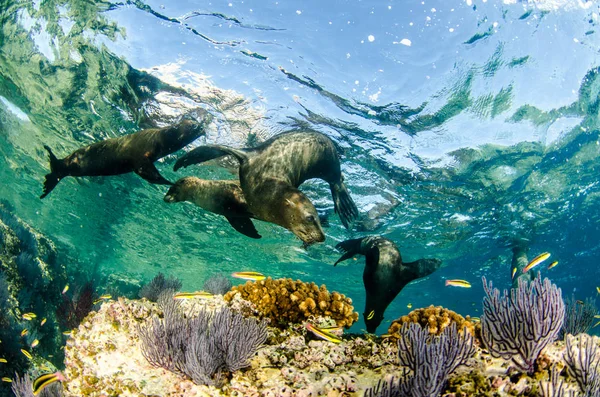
(518, 325)
(435, 318)
(158, 285)
(579, 316)
(286, 301)
(75, 306)
(217, 284)
(202, 347)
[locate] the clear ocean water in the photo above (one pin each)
(464, 126)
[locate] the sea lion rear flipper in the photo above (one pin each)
(344, 205)
(57, 172)
(244, 226)
(349, 248)
(205, 153)
(148, 171)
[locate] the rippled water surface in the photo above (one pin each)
(464, 127)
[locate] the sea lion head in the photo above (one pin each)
(301, 218)
(191, 128)
(180, 191)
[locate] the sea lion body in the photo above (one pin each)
(130, 153)
(385, 274)
(271, 173)
(220, 197)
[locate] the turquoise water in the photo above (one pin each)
(465, 126)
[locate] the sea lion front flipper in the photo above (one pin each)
(244, 226)
(349, 248)
(344, 205)
(205, 153)
(147, 170)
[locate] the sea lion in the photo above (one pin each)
(130, 153)
(271, 173)
(221, 197)
(385, 275)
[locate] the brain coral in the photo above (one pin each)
(436, 318)
(286, 301)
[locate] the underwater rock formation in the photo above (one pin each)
(31, 280)
(286, 301)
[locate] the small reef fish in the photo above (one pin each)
(579, 302)
(371, 315)
(68, 333)
(24, 332)
(514, 271)
(536, 261)
(458, 283)
(5, 379)
(598, 289)
(553, 264)
(332, 329)
(3, 360)
(409, 306)
(64, 291)
(43, 321)
(26, 354)
(45, 380)
(255, 276)
(323, 334)
(102, 298)
(29, 316)
(35, 343)
(190, 295)
(596, 324)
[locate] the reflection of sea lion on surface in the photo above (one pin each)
(385, 275)
(135, 152)
(221, 197)
(271, 173)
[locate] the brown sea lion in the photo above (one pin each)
(221, 197)
(385, 274)
(135, 152)
(271, 173)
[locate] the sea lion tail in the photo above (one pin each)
(344, 205)
(57, 172)
(349, 248)
(202, 154)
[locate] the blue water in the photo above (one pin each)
(465, 126)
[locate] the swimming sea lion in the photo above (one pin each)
(221, 197)
(130, 153)
(271, 173)
(385, 275)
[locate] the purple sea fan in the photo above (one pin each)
(519, 325)
(583, 361)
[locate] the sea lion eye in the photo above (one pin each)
(310, 218)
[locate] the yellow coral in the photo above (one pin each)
(287, 301)
(435, 318)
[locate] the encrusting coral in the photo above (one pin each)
(286, 301)
(435, 318)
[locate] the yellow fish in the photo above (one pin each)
(323, 334)
(5, 379)
(27, 317)
(45, 368)
(26, 354)
(35, 343)
(598, 289)
(409, 306)
(536, 261)
(256, 276)
(24, 332)
(190, 295)
(43, 321)
(68, 333)
(45, 380)
(550, 266)
(64, 291)
(106, 296)
(458, 283)
(332, 329)
(371, 315)
(514, 271)
(3, 360)
(30, 315)
(596, 324)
